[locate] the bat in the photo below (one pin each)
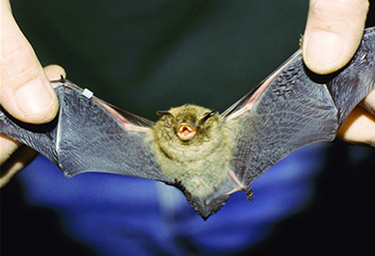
(207, 155)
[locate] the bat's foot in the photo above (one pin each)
(249, 193)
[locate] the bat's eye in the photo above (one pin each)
(167, 117)
(206, 116)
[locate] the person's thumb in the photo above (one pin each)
(333, 33)
(25, 92)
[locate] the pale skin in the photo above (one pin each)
(333, 32)
(25, 91)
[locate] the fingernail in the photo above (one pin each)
(33, 98)
(323, 50)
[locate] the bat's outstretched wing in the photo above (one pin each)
(294, 107)
(290, 109)
(89, 135)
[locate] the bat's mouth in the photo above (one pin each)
(185, 132)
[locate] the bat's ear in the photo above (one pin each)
(206, 116)
(167, 117)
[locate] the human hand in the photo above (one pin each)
(26, 93)
(333, 33)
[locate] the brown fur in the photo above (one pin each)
(202, 163)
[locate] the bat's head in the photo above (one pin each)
(189, 123)
(187, 127)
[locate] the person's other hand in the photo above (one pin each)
(333, 33)
(25, 91)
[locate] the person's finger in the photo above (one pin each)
(12, 158)
(25, 91)
(369, 102)
(54, 72)
(18, 161)
(359, 127)
(7, 148)
(333, 32)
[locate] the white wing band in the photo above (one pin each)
(87, 93)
